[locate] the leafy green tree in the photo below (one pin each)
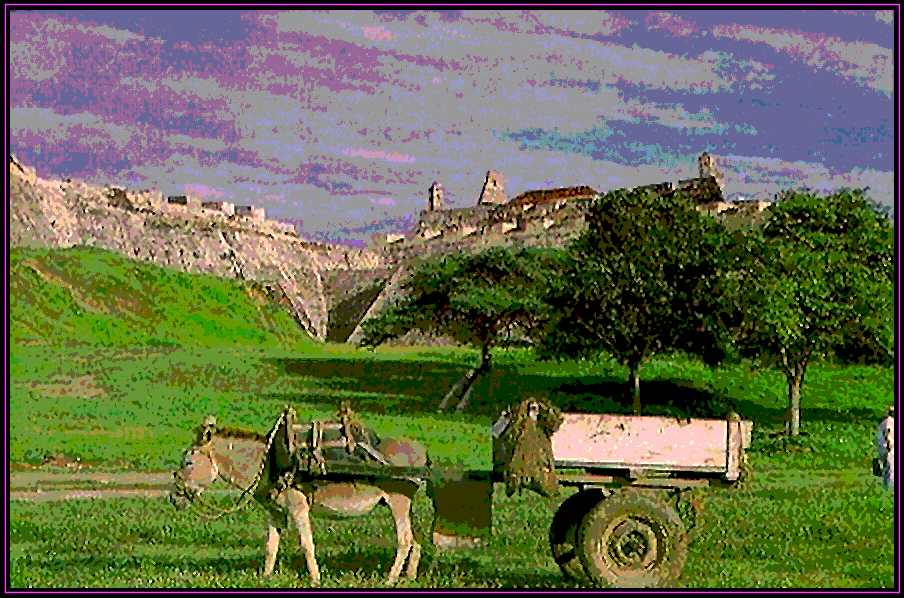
(650, 274)
(477, 299)
(867, 344)
(819, 279)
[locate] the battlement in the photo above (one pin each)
(285, 228)
(250, 212)
(219, 206)
(547, 211)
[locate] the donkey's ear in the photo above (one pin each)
(209, 427)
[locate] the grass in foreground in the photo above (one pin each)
(787, 528)
(811, 516)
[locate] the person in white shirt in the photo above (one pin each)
(885, 445)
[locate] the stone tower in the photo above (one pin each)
(436, 200)
(708, 168)
(493, 190)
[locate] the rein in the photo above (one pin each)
(204, 510)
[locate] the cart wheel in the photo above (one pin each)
(564, 529)
(632, 541)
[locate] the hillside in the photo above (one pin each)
(66, 297)
(60, 213)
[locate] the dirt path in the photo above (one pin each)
(50, 485)
(31, 479)
(57, 495)
(55, 485)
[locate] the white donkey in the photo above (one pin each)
(241, 458)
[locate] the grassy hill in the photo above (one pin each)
(83, 295)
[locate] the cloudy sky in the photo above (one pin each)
(340, 121)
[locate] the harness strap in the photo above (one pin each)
(246, 496)
(377, 455)
(307, 442)
(316, 443)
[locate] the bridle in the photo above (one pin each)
(179, 480)
(206, 511)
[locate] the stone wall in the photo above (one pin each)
(251, 212)
(283, 228)
(454, 222)
(504, 219)
(220, 206)
(27, 173)
(328, 289)
(54, 214)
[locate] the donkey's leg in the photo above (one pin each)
(414, 560)
(400, 505)
(300, 510)
(276, 523)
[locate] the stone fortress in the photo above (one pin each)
(148, 201)
(329, 290)
(548, 216)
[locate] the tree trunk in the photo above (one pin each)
(794, 384)
(485, 357)
(636, 384)
(465, 401)
(463, 387)
(794, 374)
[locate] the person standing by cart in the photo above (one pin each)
(885, 445)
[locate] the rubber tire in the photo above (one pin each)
(657, 545)
(564, 529)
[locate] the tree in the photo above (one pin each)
(650, 274)
(477, 299)
(819, 279)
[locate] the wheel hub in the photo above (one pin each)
(630, 544)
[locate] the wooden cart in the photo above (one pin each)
(638, 502)
(630, 523)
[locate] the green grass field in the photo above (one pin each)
(789, 529)
(810, 515)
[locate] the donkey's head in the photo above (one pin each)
(198, 470)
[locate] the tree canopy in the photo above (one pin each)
(478, 299)
(819, 279)
(649, 275)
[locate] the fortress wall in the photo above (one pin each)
(63, 214)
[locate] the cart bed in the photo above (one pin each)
(629, 442)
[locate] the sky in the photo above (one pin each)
(339, 121)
